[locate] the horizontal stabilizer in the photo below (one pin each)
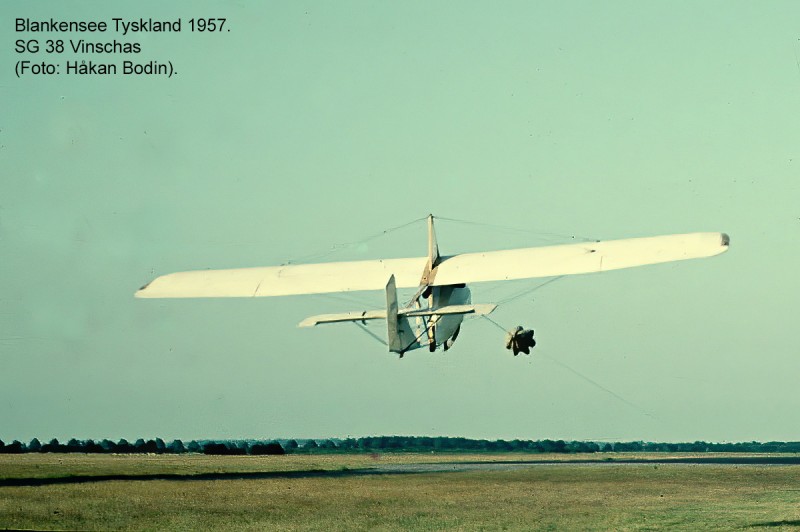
(345, 316)
(479, 310)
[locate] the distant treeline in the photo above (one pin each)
(384, 444)
(157, 446)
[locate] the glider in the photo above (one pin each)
(433, 316)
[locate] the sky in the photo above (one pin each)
(309, 127)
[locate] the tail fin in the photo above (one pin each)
(433, 255)
(392, 320)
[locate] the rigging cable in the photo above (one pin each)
(366, 330)
(338, 247)
(425, 330)
(529, 290)
(517, 229)
(428, 325)
(527, 231)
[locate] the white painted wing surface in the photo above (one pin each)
(293, 279)
(571, 259)
(523, 263)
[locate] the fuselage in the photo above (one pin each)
(439, 330)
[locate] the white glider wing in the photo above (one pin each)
(568, 259)
(292, 279)
(572, 259)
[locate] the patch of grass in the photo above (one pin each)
(599, 496)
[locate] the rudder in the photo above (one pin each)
(392, 320)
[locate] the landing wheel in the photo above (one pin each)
(450, 341)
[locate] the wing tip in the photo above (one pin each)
(141, 292)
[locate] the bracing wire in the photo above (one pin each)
(518, 229)
(486, 316)
(415, 340)
(529, 290)
(344, 245)
(349, 299)
(366, 330)
(427, 328)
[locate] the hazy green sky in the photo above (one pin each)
(315, 124)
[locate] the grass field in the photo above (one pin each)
(393, 492)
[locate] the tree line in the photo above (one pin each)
(374, 444)
(142, 446)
